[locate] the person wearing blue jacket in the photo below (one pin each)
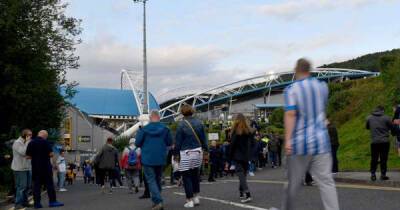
(154, 140)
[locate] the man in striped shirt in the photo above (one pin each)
(307, 142)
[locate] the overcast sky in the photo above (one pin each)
(197, 43)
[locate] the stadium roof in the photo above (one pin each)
(268, 106)
(109, 102)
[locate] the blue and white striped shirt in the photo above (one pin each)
(308, 97)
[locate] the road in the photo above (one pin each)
(266, 188)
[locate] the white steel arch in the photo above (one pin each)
(229, 90)
(266, 81)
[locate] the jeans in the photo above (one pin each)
(61, 179)
(241, 170)
(191, 182)
(252, 166)
(45, 179)
(153, 178)
(273, 158)
(22, 185)
(132, 178)
(380, 152)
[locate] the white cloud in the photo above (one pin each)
(295, 9)
(169, 67)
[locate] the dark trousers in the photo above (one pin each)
(273, 156)
(335, 162)
(379, 152)
(308, 178)
(261, 160)
(213, 171)
(191, 182)
(46, 180)
(102, 176)
(280, 156)
(116, 178)
(242, 168)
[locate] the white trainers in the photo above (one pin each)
(251, 173)
(189, 204)
(246, 200)
(196, 200)
(63, 190)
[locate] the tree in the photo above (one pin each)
(37, 45)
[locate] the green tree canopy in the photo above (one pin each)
(37, 44)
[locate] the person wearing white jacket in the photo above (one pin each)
(22, 169)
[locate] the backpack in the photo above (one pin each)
(132, 157)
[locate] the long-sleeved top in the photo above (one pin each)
(19, 162)
(40, 150)
(154, 140)
(380, 126)
(108, 157)
(242, 147)
(185, 138)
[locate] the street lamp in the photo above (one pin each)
(145, 91)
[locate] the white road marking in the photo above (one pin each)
(244, 206)
(339, 185)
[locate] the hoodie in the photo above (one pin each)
(153, 141)
(108, 157)
(380, 126)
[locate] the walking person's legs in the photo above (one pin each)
(62, 181)
(129, 180)
(211, 176)
(297, 166)
(151, 178)
(321, 168)
(196, 185)
(21, 187)
(335, 162)
(37, 185)
(308, 179)
(188, 186)
(50, 189)
(241, 171)
(374, 160)
(135, 179)
(383, 156)
(158, 170)
(118, 177)
(274, 159)
(195, 180)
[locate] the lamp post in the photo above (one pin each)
(145, 91)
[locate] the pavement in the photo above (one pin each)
(365, 178)
(266, 188)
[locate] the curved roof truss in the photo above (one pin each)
(258, 83)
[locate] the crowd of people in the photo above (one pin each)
(310, 143)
